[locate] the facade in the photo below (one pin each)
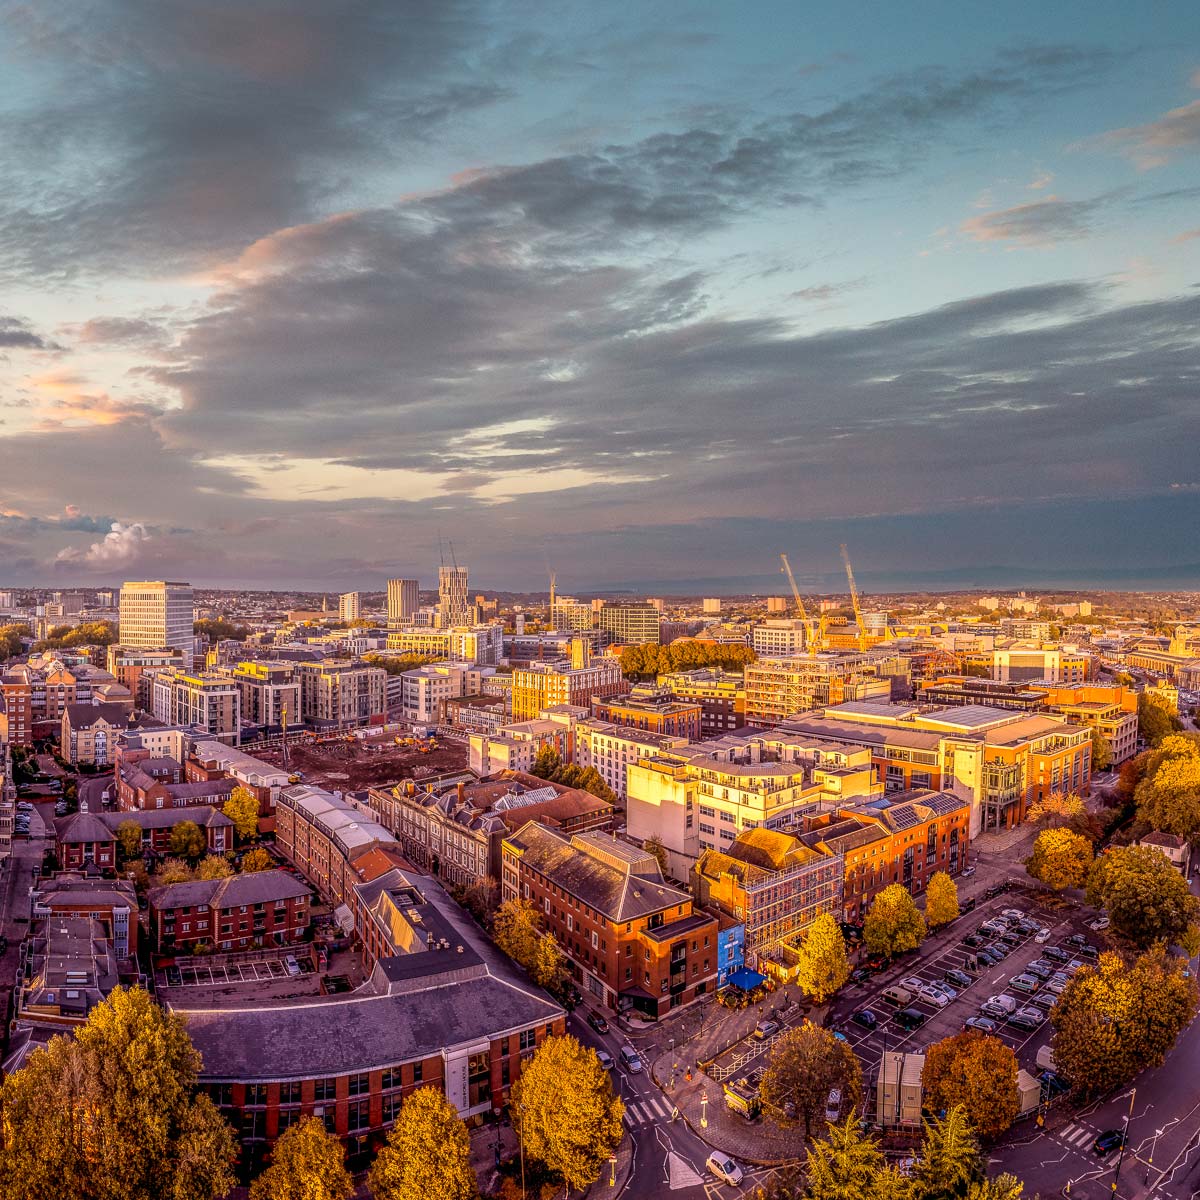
(571, 616)
(454, 608)
(1054, 664)
(268, 690)
(780, 687)
(634, 941)
(89, 732)
(480, 714)
(1109, 709)
(482, 645)
(209, 700)
(425, 691)
(653, 711)
(1181, 669)
(214, 761)
(403, 600)
(83, 837)
(349, 606)
(16, 691)
(342, 692)
(515, 746)
(720, 694)
(154, 614)
(630, 624)
(139, 790)
(545, 685)
(263, 908)
(613, 749)
(771, 638)
(128, 665)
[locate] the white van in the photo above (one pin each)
(1045, 1059)
(901, 997)
(724, 1168)
(1004, 1001)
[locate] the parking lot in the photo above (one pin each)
(984, 981)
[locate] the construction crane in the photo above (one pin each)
(809, 625)
(858, 617)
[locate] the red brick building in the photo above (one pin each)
(634, 941)
(264, 908)
(85, 837)
(18, 703)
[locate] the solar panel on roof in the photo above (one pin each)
(903, 816)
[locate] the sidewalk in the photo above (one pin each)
(483, 1152)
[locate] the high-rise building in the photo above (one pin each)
(631, 624)
(453, 607)
(403, 600)
(712, 606)
(350, 606)
(156, 614)
(777, 604)
(570, 615)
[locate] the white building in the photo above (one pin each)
(403, 600)
(779, 637)
(157, 614)
(350, 606)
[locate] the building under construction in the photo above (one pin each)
(780, 687)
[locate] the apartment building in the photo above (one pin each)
(425, 690)
(773, 638)
(479, 714)
(268, 690)
(1110, 709)
(84, 837)
(545, 685)
(652, 710)
(342, 692)
(133, 667)
(516, 745)
(720, 694)
(630, 624)
(403, 600)
(454, 608)
(154, 614)
(781, 686)
(349, 606)
(208, 700)
(16, 692)
(634, 941)
(482, 645)
(571, 616)
(612, 749)
(263, 908)
(213, 761)
(1054, 664)
(89, 732)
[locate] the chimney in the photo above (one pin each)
(462, 792)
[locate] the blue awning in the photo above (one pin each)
(746, 980)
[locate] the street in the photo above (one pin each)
(16, 876)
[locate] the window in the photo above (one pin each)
(256, 1094)
(289, 1093)
(360, 1084)
(528, 1039)
(391, 1107)
(325, 1089)
(391, 1079)
(359, 1115)
(418, 1072)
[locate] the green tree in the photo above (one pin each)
(516, 929)
(546, 763)
(847, 1164)
(806, 1064)
(654, 845)
(427, 1154)
(1155, 719)
(217, 629)
(893, 924)
(1146, 898)
(129, 835)
(823, 965)
(174, 870)
(242, 809)
(214, 866)
(978, 1074)
(565, 1112)
(113, 1114)
(1116, 1018)
(1101, 751)
(950, 1160)
(549, 967)
(1060, 859)
(1168, 795)
(941, 900)
(187, 841)
(397, 664)
(256, 860)
(306, 1164)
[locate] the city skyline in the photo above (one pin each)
(652, 297)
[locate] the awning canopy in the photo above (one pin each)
(746, 980)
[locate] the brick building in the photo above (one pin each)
(264, 908)
(85, 837)
(654, 711)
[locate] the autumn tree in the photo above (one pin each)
(806, 1064)
(565, 1112)
(306, 1164)
(941, 900)
(113, 1114)
(256, 860)
(129, 836)
(12, 640)
(1116, 1018)
(174, 870)
(1146, 898)
(977, 1073)
(427, 1153)
(999, 1187)
(1168, 796)
(893, 924)
(1058, 808)
(242, 809)
(1060, 859)
(847, 1164)
(1101, 751)
(949, 1161)
(549, 968)
(187, 841)
(214, 866)
(654, 845)
(823, 965)
(1156, 720)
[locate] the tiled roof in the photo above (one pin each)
(258, 887)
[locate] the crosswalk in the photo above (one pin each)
(1077, 1135)
(646, 1110)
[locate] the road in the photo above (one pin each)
(16, 876)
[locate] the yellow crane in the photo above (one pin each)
(858, 618)
(810, 626)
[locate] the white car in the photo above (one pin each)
(833, 1105)
(913, 983)
(1042, 936)
(1013, 914)
(932, 995)
(1099, 924)
(724, 1168)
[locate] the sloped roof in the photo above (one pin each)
(258, 887)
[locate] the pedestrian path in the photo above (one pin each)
(646, 1110)
(1076, 1135)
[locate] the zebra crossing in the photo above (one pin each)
(646, 1110)
(1077, 1136)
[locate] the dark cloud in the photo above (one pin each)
(19, 335)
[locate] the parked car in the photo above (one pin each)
(1039, 969)
(865, 1017)
(1099, 924)
(1011, 938)
(968, 905)
(983, 1024)
(959, 978)
(914, 983)
(974, 940)
(986, 957)
(1108, 1141)
(724, 1168)
(994, 890)
(1054, 1083)
(993, 928)
(1025, 1021)
(1027, 927)
(606, 1059)
(833, 1105)
(1076, 939)
(860, 975)
(967, 872)
(909, 1018)
(1087, 950)
(1042, 936)
(1013, 914)
(993, 1012)
(1057, 986)
(597, 1022)
(1057, 953)
(999, 950)
(1044, 1000)
(766, 1029)
(630, 1060)
(1076, 964)
(1031, 1014)
(291, 966)
(932, 995)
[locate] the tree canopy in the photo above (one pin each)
(254, 860)
(427, 1153)
(1168, 795)
(941, 900)
(565, 1112)
(893, 923)
(174, 870)
(1115, 1018)
(650, 661)
(242, 809)
(1156, 720)
(806, 1064)
(187, 840)
(91, 633)
(1060, 859)
(397, 664)
(214, 866)
(1101, 751)
(977, 1072)
(823, 965)
(12, 640)
(1146, 898)
(306, 1164)
(549, 766)
(113, 1113)
(950, 1160)
(218, 629)
(1058, 808)
(129, 835)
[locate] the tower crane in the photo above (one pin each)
(858, 618)
(809, 624)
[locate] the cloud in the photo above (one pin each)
(1043, 179)
(1039, 223)
(1187, 236)
(1157, 142)
(18, 335)
(120, 547)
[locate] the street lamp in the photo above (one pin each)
(612, 1164)
(1126, 1119)
(703, 1110)
(496, 1114)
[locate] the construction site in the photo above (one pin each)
(347, 763)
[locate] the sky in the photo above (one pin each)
(292, 293)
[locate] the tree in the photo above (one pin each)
(950, 1161)
(1115, 1018)
(848, 1165)
(549, 967)
(893, 923)
(977, 1073)
(187, 841)
(129, 835)
(242, 809)
(306, 1164)
(546, 763)
(174, 870)
(1146, 898)
(806, 1064)
(654, 845)
(214, 866)
(1060, 859)
(999, 1187)
(218, 629)
(1058, 808)
(480, 898)
(397, 664)
(516, 930)
(12, 640)
(427, 1154)
(565, 1112)
(256, 860)
(1168, 795)
(1101, 751)
(823, 965)
(113, 1114)
(1155, 719)
(941, 900)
